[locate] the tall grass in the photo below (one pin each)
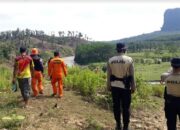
(86, 81)
(145, 92)
(5, 77)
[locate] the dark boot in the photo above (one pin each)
(126, 127)
(118, 126)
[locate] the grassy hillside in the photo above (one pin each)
(10, 41)
(163, 47)
(86, 105)
(149, 36)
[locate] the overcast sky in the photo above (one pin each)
(99, 20)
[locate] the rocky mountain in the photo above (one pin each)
(171, 20)
(170, 28)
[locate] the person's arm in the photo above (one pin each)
(50, 68)
(164, 76)
(41, 66)
(32, 68)
(131, 73)
(108, 77)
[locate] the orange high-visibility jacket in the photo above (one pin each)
(57, 68)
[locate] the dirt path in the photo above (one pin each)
(73, 113)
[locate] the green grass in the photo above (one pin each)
(5, 77)
(84, 80)
(151, 71)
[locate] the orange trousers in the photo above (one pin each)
(37, 86)
(57, 89)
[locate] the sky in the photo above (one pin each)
(100, 21)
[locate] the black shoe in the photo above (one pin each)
(126, 128)
(118, 127)
(41, 92)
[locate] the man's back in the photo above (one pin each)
(173, 83)
(120, 65)
(23, 66)
(57, 67)
(38, 65)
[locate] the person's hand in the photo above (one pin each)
(133, 88)
(13, 80)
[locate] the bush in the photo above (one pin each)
(142, 94)
(86, 81)
(158, 90)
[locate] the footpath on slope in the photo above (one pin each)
(73, 113)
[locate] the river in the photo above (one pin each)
(69, 60)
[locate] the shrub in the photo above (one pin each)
(158, 90)
(86, 81)
(142, 94)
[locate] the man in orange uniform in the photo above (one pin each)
(56, 70)
(37, 77)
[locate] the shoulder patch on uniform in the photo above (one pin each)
(117, 61)
(173, 82)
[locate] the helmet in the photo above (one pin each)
(34, 51)
(175, 62)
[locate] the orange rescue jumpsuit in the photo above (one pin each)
(37, 77)
(56, 69)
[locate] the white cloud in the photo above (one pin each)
(100, 21)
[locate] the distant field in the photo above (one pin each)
(152, 71)
(164, 53)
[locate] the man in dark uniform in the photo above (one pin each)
(172, 99)
(120, 81)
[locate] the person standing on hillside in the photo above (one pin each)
(172, 94)
(120, 81)
(37, 77)
(56, 71)
(23, 69)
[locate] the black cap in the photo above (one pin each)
(120, 46)
(175, 62)
(22, 49)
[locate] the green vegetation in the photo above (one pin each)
(5, 77)
(84, 80)
(151, 71)
(94, 125)
(94, 52)
(8, 114)
(92, 83)
(151, 58)
(143, 97)
(156, 50)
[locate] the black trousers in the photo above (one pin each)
(121, 104)
(172, 110)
